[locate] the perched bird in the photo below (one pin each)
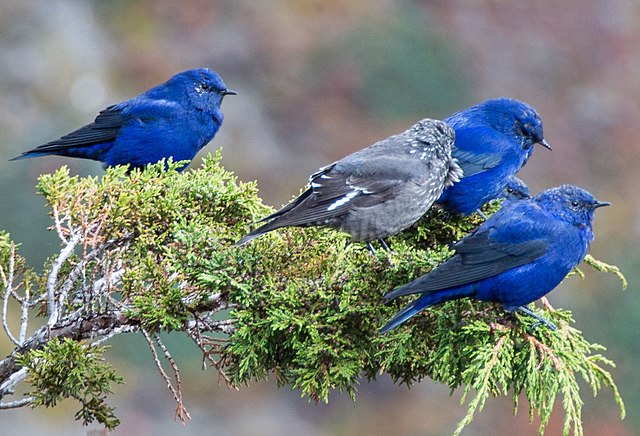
(494, 139)
(517, 256)
(175, 119)
(515, 189)
(377, 191)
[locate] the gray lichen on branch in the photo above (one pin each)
(152, 252)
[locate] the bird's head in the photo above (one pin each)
(204, 88)
(571, 204)
(516, 118)
(515, 189)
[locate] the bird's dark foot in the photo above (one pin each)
(384, 244)
(385, 247)
(540, 320)
(370, 247)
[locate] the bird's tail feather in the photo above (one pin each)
(272, 220)
(245, 239)
(28, 155)
(402, 316)
(266, 228)
(425, 300)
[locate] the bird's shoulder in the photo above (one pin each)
(142, 107)
(479, 149)
(485, 139)
(520, 221)
(351, 178)
(519, 229)
(380, 170)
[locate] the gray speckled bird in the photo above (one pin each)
(377, 191)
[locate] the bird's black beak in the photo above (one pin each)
(545, 144)
(598, 204)
(228, 92)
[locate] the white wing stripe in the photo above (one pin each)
(343, 200)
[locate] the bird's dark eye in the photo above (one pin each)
(575, 204)
(510, 190)
(205, 87)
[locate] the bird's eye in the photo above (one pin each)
(205, 87)
(575, 204)
(510, 190)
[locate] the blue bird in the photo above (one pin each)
(494, 139)
(515, 189)
(175, 119)
(517, 256)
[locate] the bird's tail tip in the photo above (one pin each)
(389, 296)
(384, 330)
(246, 239)
(405, 289)
(397, 320)
(401, 317)
(266, 228)
(26, 155)
(242, 241)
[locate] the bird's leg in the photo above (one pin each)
(371, 249)
(541, 320)
(481, 213)
(384, 245)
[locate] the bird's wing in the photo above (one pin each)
(103, 129)
(473, 163)
(339, 187)
(302, 196)
(481, 255)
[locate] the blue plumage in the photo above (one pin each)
(517, 256)
(494, 139)
(175, 119)
(515, 189)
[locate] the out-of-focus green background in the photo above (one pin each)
(318, 79)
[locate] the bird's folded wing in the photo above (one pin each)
(478, 257)
(474, 163)
(339, 187)
(105, 128)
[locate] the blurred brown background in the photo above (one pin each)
(317, 80)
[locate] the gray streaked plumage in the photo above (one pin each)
(377, 191)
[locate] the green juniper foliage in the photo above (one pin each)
(65, 369)
(306, 305)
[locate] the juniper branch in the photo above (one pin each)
(152, 251)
